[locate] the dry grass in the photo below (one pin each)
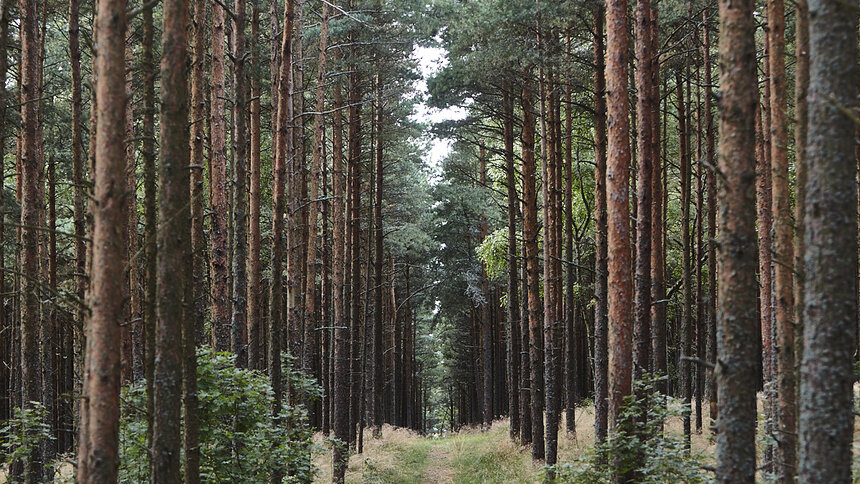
(469, 456)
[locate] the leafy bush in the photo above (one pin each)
(23, 434)
(239, 441)
(662, 458)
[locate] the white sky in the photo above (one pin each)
(430, 61)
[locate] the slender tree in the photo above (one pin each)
(32, 204)
(530, 236)
(284, 149)
(601, 330)
(783, 244)
(220, 289)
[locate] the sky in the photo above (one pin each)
(430, 60)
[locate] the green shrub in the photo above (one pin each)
(23, 434)
(662, 458)
(238, 440)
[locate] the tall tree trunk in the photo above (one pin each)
(107, 295)
(198, 143)
(687, 305)
(801, 85)
(354, 235)
(513, 302)
(736, 383)
(32, 205)
(284, 149)
(571, 368)
(620, 284)
(378, 374)
(645, 121)
(830, 305)
(530, 235)
(340, 397)
(525, 348)
(311, 330)
(783, 247)
(80, 190)
(550, 276)
(711, 182)
(220, 272)
(255, 276)
(658, 254)
(150, 213)
(175, 324)
(601, 334)
(238, 335)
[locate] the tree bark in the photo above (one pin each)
(783, 246)
(174, 247)
(32, 205)
(737, 285)
(220, 271)
(107, 295)
(284, 149)
(645, 121)
(830, 305)
(513, 302)
(620, 280)
(601, 334)
(340, 397)
(530, 235)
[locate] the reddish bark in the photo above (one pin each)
(220, 270)
(783, 244)
(737, 285)
(531, 252)
(107, 296)
(620, 280)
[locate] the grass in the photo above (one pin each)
(470, 456)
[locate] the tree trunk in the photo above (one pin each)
(601, 335)
(687, 305)
(530, 235)
(32, 205)
(378, 374)
(220, 271)
(783, 247)
(311, 330)
(174, 246)
(830, 307)
(645, 121)
(711, 182)
(737, 285)
(620, 283)
(513, 302)
(284, 149)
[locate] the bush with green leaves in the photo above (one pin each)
(23, 434)
(640, 446)
(239, 442)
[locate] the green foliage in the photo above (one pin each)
(239, 441)
(23, 434)
(493, 252)
(663, 458)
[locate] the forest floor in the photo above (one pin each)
(469, 456)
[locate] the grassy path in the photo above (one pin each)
(469, 457)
